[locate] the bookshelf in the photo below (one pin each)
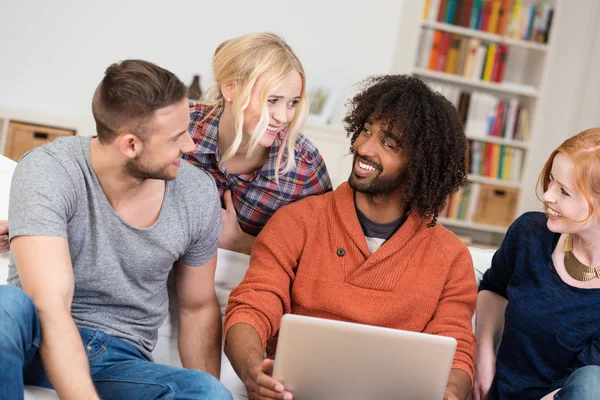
(507, 88)
(494, 71)
(489, 37)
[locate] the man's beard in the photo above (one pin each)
(376, 185)
(139, 169)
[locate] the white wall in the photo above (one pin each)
(590, 98)
(54, 52)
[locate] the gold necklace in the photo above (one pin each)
(575, 268)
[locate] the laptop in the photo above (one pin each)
(324, 359)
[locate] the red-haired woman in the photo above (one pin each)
(541, 295)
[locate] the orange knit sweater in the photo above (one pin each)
(421, 279)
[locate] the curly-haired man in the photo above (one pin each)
(373, 243)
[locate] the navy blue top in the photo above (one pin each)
(550, 327)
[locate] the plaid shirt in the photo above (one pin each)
(256, 196)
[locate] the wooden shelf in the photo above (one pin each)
(498, 140)
(492, 181)
(490, 37)
(472, 225)
(505, 87)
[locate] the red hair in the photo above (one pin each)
(584, 150)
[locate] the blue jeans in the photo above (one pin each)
(118, 369)
(583, 384)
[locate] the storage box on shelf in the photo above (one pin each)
(488, 58)
(24, 136)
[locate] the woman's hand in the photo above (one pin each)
(232, 236)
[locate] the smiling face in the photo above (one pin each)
(567, 207)
(281, 104)
(167, 140)
(380, 163)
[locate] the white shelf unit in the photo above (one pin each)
(488, 37)
(514, 89)
(525, 80)
(472, 225)
(492, 181)
(519, 144)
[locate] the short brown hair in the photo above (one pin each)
(129, 93)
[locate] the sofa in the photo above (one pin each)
(231, 268)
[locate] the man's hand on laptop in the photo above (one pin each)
(4, 247)
(260, 384)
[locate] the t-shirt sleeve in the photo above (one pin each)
(497, 277)
(204, 246)
(42, 197)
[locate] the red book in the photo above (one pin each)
(441, 17)
(489, 158)
(466, 13)
(495, 64)
(443, 51)
(498, 119)
(499, 63)
(485, 15)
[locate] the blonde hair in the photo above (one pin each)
(584, 150)
(241, 61)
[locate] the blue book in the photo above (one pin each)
(475, 15)
(450, 11)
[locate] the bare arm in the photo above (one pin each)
(199, 340)
(232, 236)
(489, 319)
(47, 277)
(489, 327)
(244, 350)
(459, 385)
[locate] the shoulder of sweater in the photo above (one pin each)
(309, 206)
(447, 241)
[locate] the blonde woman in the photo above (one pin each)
(542, 293)
(246, 130)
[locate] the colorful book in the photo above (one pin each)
(450, 11)
(443, 51)
(504, 17)
(515, 18)
(441, 16)
(453, 53)
(479, 61)
(433, 54)
(486, 12)
(462, 55)
(499, 63)
(470, 58)
(494, 16)
(475, 14)
(489, 62)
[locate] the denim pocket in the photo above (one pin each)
(96, 345)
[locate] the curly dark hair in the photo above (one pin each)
(431, 135)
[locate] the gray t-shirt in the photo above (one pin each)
(120, 271)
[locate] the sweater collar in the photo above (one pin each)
(345, 208)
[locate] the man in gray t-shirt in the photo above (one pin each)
(96, 226)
